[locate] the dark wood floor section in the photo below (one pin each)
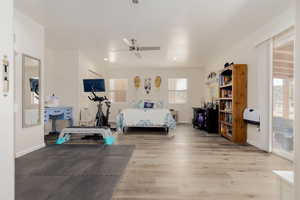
(191, 166)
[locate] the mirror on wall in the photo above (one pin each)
(31, 105)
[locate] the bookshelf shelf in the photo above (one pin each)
(225, 111)
(233, 101)
(228, 99)
(226, 86)
(226, 123)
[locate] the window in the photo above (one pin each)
(177, 91)
(118, 90)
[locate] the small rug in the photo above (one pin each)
(71, 172)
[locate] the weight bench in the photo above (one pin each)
(65, 134)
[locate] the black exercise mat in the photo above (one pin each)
(71, 172)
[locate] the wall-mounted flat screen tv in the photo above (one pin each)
(94, 85)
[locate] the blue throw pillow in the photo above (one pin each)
(148, 105)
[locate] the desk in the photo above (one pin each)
(58, 113)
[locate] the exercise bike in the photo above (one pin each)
(101, 119)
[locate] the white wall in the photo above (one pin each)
(244, 52)
(29, 40)
(7, 168)
(65, 71)
(64, 74)
(86, 65)
(297, 101)
(195, 88)
(61, 77)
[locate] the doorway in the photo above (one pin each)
(283, 109)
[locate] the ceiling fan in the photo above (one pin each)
(135, 48)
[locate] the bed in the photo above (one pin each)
(145, 118)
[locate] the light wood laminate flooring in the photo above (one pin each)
(192, 166)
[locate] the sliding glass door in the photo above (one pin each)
(283, 94)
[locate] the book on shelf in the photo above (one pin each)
(226, 130)
(228, 118)
(226, 93)
(225, 80)
(226, 106)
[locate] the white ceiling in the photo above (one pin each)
(189, 30)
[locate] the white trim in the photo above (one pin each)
(260, 147)
(264, 133)
(115, 67)
(283, 154)
(275, 33)
(270, 146)
(179, 122)
(286, 176)
(183, 122)
(251, 142)
(294, 92)
(32, 149)
(289, 156)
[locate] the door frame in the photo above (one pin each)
(289, 156)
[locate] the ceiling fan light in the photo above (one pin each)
(127, 42)
(135, 1)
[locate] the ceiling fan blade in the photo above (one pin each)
(127, 42)
(137, 54)
(119, 50)
(149, 48)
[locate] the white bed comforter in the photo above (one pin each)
(145, 118)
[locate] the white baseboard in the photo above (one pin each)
(183, 122)
(251, 142)
(32, 149)
(180, 122)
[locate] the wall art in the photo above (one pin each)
(158, 82)
(137, 82)
(147, 85)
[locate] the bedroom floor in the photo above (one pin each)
(191, 166)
